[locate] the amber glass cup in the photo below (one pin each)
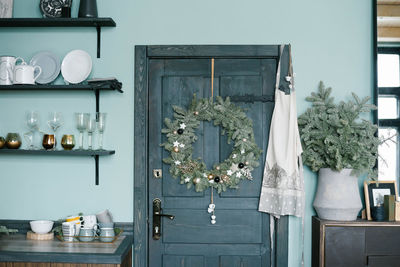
(68, 141)
(49, 141)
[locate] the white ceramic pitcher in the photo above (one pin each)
(25, 74)
(7, 66)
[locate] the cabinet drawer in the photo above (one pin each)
(382, 241)
(384, 261)
(344, 247)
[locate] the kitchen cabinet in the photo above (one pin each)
(355, 243)
(16, 250)
(126, 262)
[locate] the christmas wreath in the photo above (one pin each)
(181, 135)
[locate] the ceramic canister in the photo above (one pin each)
(7, 66)
(107, 234)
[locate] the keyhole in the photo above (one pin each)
(157, 173)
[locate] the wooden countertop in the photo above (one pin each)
(17, 248)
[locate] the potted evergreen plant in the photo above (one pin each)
(340, 146)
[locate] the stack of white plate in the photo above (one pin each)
(75, 67)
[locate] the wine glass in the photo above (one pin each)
(90, 128)
(32, 121)
(55, 121)
(101, 125)
(81, 123)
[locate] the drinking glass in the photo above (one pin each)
(81, 123)
(90, 128)
(101, 125)
(32, 121)
(55, 121)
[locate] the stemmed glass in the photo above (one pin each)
(90, 128)
(101, 125)
(81, 124)
(32, 121)
(55, 122)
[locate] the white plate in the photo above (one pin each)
(76, 66)
(50, 65)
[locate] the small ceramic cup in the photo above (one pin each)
(86, 234)
(107, 234)
(106, 225)
(68, 141)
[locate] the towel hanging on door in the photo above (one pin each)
(282, 191)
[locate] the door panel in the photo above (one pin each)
(183, 261)
(189, 226)
(240, 261)
(241, 235)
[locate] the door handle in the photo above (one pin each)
(157, 214)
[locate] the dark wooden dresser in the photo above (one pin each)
(355, 244)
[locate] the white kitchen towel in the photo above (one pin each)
(282, 190)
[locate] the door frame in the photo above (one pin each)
(141, 114)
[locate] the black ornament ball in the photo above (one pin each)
(217, 179)
(180, 131)
(241, 165)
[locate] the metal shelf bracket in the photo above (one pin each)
(98, 28)
(96, 160)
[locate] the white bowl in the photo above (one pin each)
(41, 227)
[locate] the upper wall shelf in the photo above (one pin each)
(61, 22)
(95, 87)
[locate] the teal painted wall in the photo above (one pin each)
(331, 42)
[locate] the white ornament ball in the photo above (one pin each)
(244, 139)
(213, 221)
(211, 206)
(213, 217)
(210, 210)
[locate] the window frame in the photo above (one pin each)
(389, 92)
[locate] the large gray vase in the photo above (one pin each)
(338, 195)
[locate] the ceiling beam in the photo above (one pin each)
(388, 34)
(388, 2)
(388, 10)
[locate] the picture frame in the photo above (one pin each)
(374, 192)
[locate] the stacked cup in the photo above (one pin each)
(106, 224)
(69, 230)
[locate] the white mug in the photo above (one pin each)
(90, 221)
(25, 74)
(7, 66)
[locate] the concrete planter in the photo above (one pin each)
(338, 196)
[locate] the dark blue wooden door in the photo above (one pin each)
(241, 235)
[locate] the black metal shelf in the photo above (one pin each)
(93, 153)
(95, 87)
(61, 22)
(75, 152)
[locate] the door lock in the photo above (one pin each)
(157, 173)
(157, 214)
